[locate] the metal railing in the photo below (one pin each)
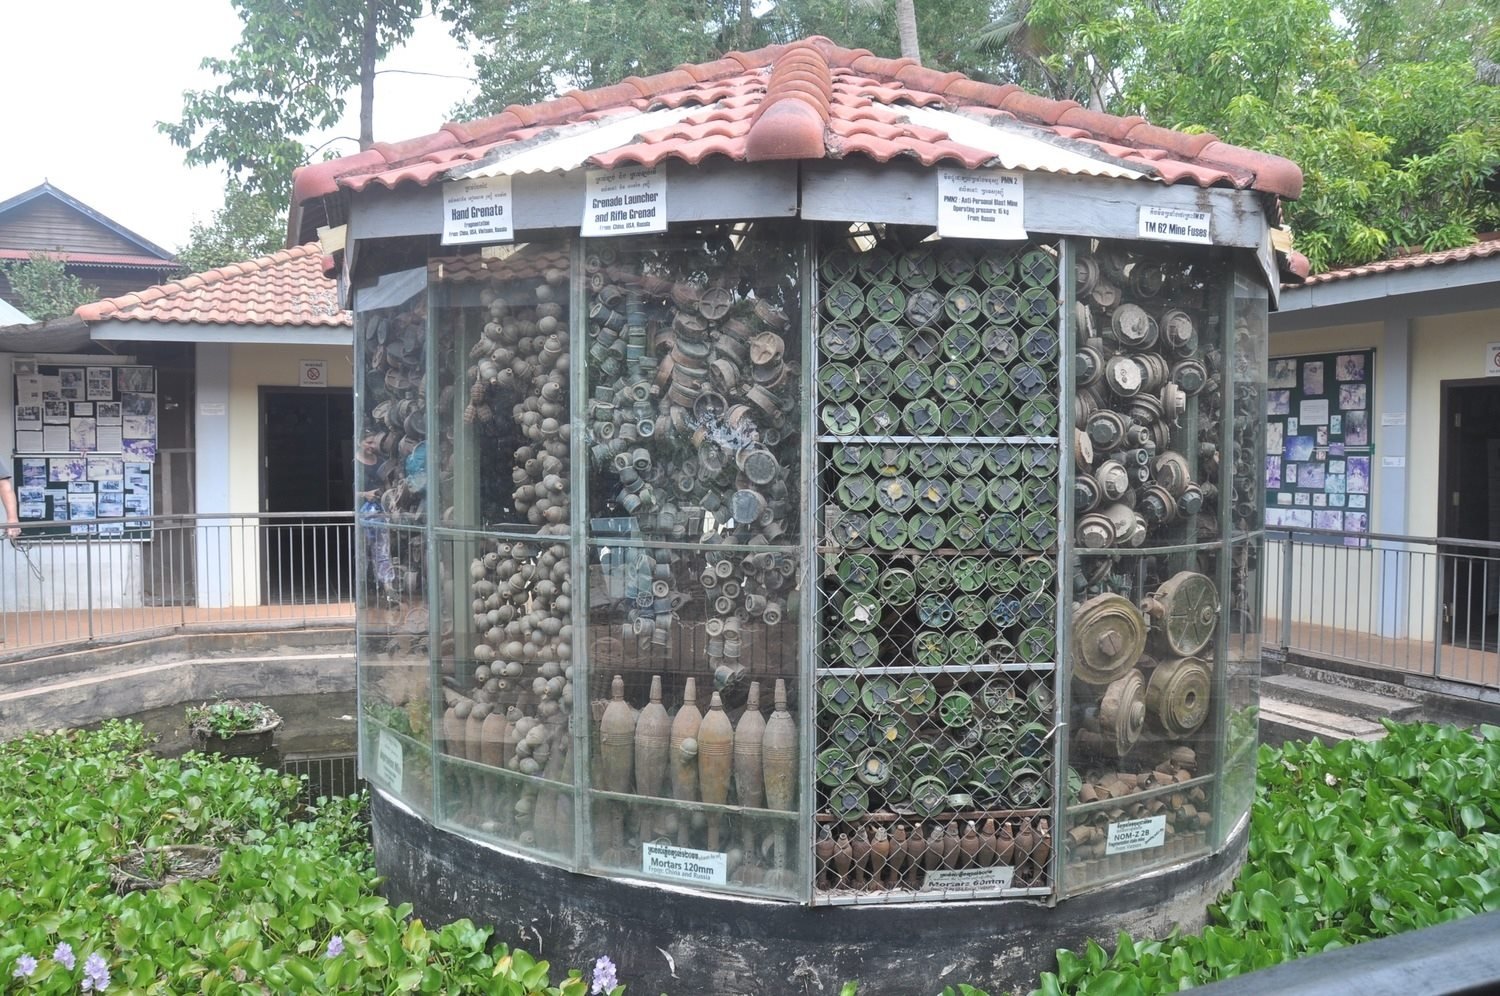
(88, 581)
(1410, 603)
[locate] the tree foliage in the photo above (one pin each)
(249, 225)
(530, 49)
(1379, 101)
(288, 76)
(42, 287)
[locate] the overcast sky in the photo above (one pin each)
(85, 82)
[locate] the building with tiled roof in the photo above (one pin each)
(756, 372)
(806, 102)
(98, 250)
(1430, 322)
(284, 291)
(250, 366)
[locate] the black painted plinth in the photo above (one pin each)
(683, 943)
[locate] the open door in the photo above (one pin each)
(1469, 509)
(307, 460)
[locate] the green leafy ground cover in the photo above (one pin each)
(1347, 843)
(292, 907)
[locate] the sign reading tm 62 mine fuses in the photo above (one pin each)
(624, 201)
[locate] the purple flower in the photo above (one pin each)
(335, 947)
(604, 976)
(25, 965)
(95, 973)
(63, 955)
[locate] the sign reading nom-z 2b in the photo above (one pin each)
(1136, 835)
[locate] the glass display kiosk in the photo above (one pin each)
(826, 563)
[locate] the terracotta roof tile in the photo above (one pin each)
(1487, 249)
(811, 99)
(287, 288)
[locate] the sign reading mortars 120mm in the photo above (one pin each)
(686, 863)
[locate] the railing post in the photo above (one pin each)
(88, 581)
(1286, 595)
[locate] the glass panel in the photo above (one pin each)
(505, 739)
(502, 380)
(1149, 369)
(395, 668)
(694, 364)
(1251, 342)
(937, 386)
(1145, 636)
(1241, 687)
(391, 469)
(506, 661)
(694, 433)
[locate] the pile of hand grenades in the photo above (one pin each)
(512, 711)
(936, 388)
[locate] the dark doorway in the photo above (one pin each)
(307, 460)
(1469, 509)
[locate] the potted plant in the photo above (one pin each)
(232, 727)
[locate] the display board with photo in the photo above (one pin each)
(84, 444)
(1319, 441)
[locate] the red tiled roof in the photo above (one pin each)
(811, 99)
(287, 288)
(92, 258)
(1416, 261)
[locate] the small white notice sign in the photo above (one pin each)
(1393, 418)
(624, 201)
(1313, 412)
(477, 210)
(1172, 225)
(1136, 835)
(670, 861)
(312, 373)
(970, 879)
(980, 204)
(1390, 461)
(389, 760)
(1492, 360)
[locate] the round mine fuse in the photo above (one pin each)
(962, 304)
(885, 302)
(926, 531)
(932, 494)
(951, 380)
(1003, 610)
(1003, 459)
(1000, 342)
(956, 263)
(962, 343)
(960, 418)
(921, 417)
(916, 697)
(856, 492)
(1039, 307)
(895, 494)
(997, 266)
(969, 611)
(931, 648)
(838, 695)
(881, 418)
(966, 460)
(888, 531)
(913, 379)
(924, 307)
(835, 765)
(839, 340)
(836, 382)
(966, 531)
(843, 301)
(859, 649)
(898, 586)
(924, 345)
(888, 459)
(997, 418)
(858, 572)
(917, 267)
(877, 264)
(1028, 380)
(968, 573)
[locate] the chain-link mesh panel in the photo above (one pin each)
(937, 380)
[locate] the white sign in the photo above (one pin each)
(1313, 412)
(624, 201)
(670, 861)
(477, 210)
(212, 408)
(1169, 225)
(1492, 360)
(312, 373)
(389, 760)
(1393, 418)
(1136, 835)
(1387, 461)
(970, 879)
(980, 204)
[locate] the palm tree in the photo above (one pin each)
(906, 28)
